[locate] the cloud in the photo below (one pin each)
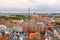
(27, 3)
(16, 3)
(6, 5)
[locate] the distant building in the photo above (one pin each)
(55, 14)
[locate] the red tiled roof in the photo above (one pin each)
(57, 19)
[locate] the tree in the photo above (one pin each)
(3, 33)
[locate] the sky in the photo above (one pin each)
(21, 6)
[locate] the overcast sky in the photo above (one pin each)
(34, 5)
